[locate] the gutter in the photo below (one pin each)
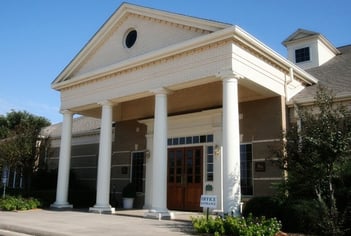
(270, 53)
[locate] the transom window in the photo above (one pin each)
(190, 140)
(302, 54)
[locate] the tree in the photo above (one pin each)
(316, 149)
(20, 141)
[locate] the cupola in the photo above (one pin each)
(309, 49)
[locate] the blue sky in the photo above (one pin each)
(38, 38)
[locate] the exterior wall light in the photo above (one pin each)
(147, 154)
(217, 151)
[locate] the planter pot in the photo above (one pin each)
(128, 203)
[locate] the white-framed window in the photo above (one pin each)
(302, 54)
(210, 163)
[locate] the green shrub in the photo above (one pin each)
(302, 216)
(237, 226)
(263, 206)
(10, 203)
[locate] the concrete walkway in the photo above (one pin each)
(62, 223)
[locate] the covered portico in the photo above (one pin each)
(208, 65)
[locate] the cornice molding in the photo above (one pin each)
(137, 63)
(229, 74)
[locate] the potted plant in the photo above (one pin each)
(128, 194)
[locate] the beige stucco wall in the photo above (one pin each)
(261, 119)
(261, 125)
(130, 136)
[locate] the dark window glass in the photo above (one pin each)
(131, 38)
(189, 140)
(138, 170)
(182, 140)
(210, 138)
(175, 141)
(246, 169)
(302, 54)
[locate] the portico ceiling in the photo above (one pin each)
(191, 99)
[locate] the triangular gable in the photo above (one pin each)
(302, 34)
(155, 30)
(299, 34)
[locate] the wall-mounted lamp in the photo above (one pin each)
(147, 154)
(217, 151)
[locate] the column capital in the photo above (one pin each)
(105, 103)
(161, 90)
(66, 111)
(229, 74)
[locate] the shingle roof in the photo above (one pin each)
(80, 124)
(334, 74)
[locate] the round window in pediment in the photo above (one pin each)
(130, 38)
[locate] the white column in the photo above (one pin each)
(231, 145)
(159, 161)
(64, 162)
(104, 163)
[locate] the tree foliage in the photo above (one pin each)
(19, 140)
(317, 148)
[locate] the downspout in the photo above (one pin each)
(284, 119)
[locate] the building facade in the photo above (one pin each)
(195, 110)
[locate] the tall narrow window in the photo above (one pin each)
(246, 169)
(302, 54)
(209, 168)
(138, 176)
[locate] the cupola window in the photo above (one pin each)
(302, 54)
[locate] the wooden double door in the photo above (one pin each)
(185, 171)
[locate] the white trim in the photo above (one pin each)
(263, 159)
(119, 152)
(84, 167)
(119, 178)
(268, 179)
(266, 141)
(82, 156)
(233, 32)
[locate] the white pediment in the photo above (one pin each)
(155, 30)
(299, 34)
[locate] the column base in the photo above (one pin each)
(102, 209)
(61, 206)
(159, 214)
